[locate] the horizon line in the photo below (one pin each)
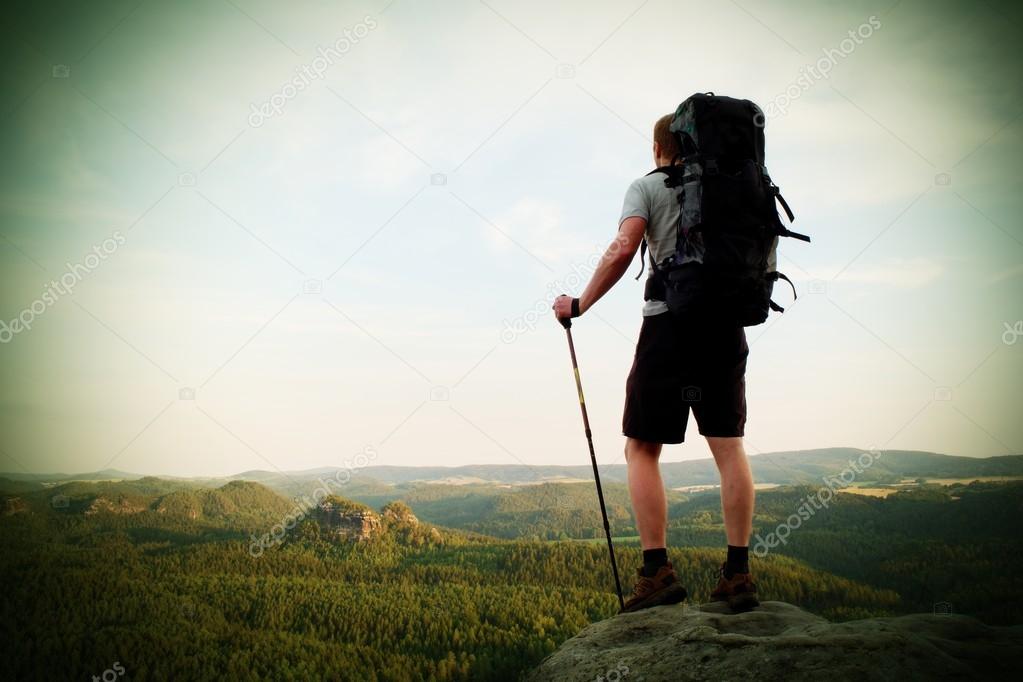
(8, 474)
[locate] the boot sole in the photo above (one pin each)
(673, 594)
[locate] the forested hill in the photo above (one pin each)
(236, 501)
(337, 598)
(151, 507)
(175, 580)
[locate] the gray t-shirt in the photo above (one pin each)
(648, 198)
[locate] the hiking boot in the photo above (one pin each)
(739, 591)
(661, 588)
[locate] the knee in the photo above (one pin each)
(641, 449)
(726, 449)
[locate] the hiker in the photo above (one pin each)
(678, 367)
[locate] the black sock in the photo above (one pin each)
(737, 561)
(653, 559)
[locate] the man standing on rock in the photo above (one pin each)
(678, 368)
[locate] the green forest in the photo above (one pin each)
(161, 577)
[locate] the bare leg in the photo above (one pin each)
(646, 489)
(737, 493)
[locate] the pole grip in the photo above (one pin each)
(566, 322)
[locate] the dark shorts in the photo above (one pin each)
(681, 367)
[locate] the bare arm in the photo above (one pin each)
(612, 266)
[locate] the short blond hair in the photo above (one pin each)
(665, 139)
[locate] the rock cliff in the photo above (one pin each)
(778, 641)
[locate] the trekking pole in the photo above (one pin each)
(567, 324)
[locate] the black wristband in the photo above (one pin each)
(575, 308)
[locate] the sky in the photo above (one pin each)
(243, 235)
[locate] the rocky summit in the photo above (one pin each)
(347, 520)
(778, 641)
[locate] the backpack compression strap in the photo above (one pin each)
(783, 231)
(776, 191)
(775, 276)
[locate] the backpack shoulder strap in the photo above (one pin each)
(666, 170)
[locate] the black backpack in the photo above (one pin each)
(724, 264)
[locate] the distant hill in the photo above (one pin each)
(235, 499)
(104, 475)
(158, 501)
(781, 468)
(10, 486)
(546, 511)
(150, 503)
